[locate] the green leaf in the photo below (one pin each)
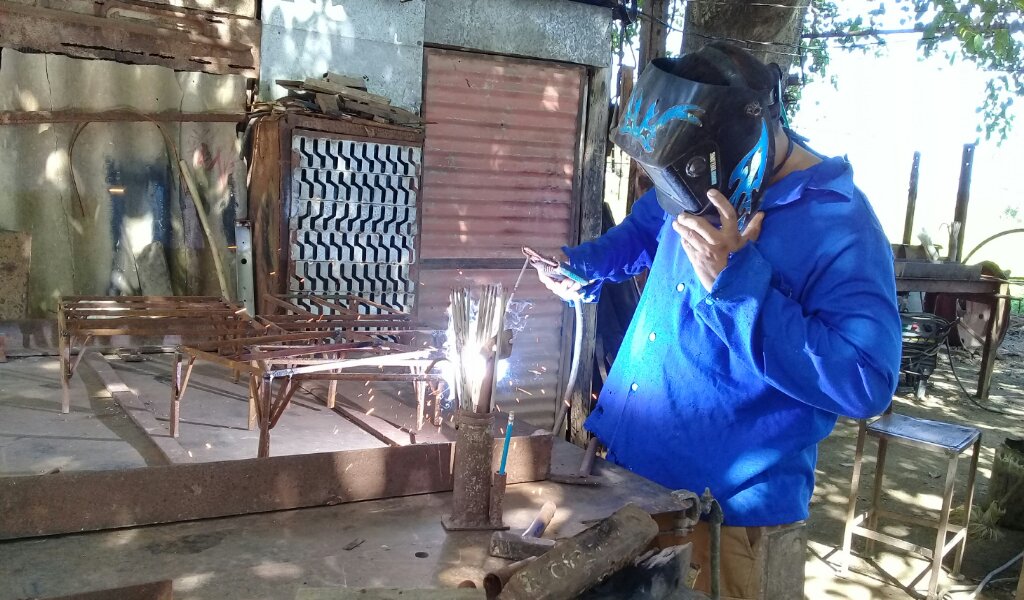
(1002, 41)
(978, 42)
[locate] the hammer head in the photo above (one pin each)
(513, 546)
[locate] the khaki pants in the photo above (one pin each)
(745, 559)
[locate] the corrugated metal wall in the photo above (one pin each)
(500, 172)
(102, 203)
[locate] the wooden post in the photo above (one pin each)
(963, 198)
(908, 223)
(653, 38)
(592, 201)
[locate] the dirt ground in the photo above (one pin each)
(913, 483)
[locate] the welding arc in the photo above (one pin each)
(476, 328)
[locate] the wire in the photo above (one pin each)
(988, 577)
(989, 239)
(949, 355)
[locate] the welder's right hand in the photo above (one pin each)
(563, 287)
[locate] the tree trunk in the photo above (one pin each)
(653, 44)
(770, 32)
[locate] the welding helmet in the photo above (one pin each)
(704, 120)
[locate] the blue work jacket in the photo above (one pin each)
(733, 389)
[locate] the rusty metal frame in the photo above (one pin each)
(95, 500)
(266, 359)
(82, 318)
(161, 36)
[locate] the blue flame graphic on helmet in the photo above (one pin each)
(748, 175)
(646, 129)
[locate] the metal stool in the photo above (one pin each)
(936, 436)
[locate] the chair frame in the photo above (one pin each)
(942, 547)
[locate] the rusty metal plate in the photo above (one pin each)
(95, 500)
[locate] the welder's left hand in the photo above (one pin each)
(709, 247)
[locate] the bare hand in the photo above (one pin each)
(564, 288)
(709, 247)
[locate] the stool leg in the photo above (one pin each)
(876, 492)
(851, 510)
(940, 536)
(958, 559)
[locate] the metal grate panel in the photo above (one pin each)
(353, 218)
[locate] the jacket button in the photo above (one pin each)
(680, 287)
(653, 336)
(634, 387)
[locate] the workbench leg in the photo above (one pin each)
(332, 393)
(265, 395)
(876, 492)
(64, 344)
(180, 376)
(254, 387)
(421, 398)
(175, 393)
(968, 502)
(940, 535)
(851, 509)
(988, 352)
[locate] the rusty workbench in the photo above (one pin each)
(991, 291)
(280, 554)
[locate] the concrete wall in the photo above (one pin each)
(382, 39)
(127, 229)
(548, 29)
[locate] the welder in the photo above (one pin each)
(769, 307)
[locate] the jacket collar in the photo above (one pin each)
(831, 175)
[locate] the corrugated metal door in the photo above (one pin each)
(499, 173)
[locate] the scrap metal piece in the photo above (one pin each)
(578, 563)
(519, 546)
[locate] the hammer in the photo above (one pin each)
(519, 546)
(582, 477)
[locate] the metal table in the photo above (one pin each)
(991, 291)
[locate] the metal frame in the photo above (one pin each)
(82, 318)
(305, 347)
(942, 546)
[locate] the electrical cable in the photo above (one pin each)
(949, 356)
(995, 572)
(570, 384)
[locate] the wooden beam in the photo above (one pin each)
(592, 200)
(133, 41)
(36, 117)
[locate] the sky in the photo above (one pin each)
(884, 108)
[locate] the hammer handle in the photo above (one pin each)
(588, 458)
(541, 521)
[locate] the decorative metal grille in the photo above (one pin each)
(353, 219)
